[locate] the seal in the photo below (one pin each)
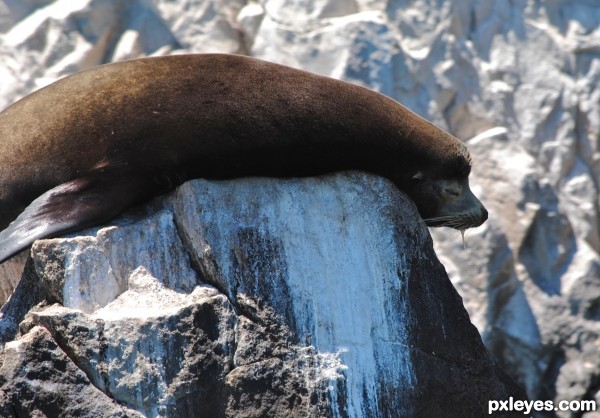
(85, 148)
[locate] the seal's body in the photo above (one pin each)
(85, 148)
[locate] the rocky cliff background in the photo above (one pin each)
(518, 80)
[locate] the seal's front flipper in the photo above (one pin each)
(72, 206)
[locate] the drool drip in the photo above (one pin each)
(462, 234)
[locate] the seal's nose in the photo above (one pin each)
(484, 214)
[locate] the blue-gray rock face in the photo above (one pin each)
(255, 297)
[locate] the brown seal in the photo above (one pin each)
(87, 147)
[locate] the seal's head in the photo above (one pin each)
(443, 196)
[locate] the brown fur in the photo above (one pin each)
(150, 124)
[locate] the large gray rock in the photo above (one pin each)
(256, 297)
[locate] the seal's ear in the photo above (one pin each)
(71, 206)
(418, 176)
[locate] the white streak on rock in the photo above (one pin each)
(335, 271)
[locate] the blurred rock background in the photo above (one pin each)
(518, 80)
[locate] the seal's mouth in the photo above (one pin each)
(459, 221)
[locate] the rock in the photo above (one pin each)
(252, 297)
(539, 280)
(39, 379)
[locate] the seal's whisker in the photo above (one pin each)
(439, 218)
(460, 221)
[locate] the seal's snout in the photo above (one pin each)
(484, 214)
